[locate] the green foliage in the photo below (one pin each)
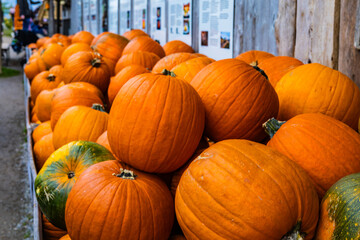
(8, 72)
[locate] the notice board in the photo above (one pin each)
(180, 20)
(140, 15)
(125, 16)
(158, 23)
(113, 19)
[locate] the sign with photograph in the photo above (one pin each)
(113, 19)
(140, 15)
(179, 20)
(216, 30)
(125, 16)
(158, 23)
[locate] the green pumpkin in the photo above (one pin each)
(340, 210)
(60, 172)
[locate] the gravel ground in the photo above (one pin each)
(16, 215)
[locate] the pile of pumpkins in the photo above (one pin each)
(141, 141)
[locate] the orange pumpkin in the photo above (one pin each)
(66, 237)
(36, 66)
(49, 231)
(83, 37)
(103, 141)
(145, 44)
(58, 38)
(52, 54)
(254, 57)
(72, 49)
(43, 104)
(133, 33)
(171, 61)
(87, 67)
(238, 99)
(41, 130)
(40, 42)
(80, 123)
(93, 42)
(121, 78)
(238, 189)
(43, 148)
(111, 46)
(177, 46)
(165, 141)
(107, 189)
(276, 67)
(326, 148)
(146, 59)
(72, 94)
(315, 88)
(188, 69)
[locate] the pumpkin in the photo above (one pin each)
(60, 172)
(77, 93)
(177, 46)
(43, 148)
(121, 78)
(45, 80)
(40, 42)
(339, 211)
(58, 38)
(41, 130)
(34, 118)
(52, 54)
(237, 100)
(96, 205)
(165, 141)
(239, 189)
(111, 46)
(43, 104)
(94, 41)
(326, 148)
(72, 49)
(145, 59)
(49, 231)
(171, 61)
(103, 141)
(254, 57)
(87, 67)
(83, 37)
(32, 46)
(80, 123)
(66, 237)
(315, 88)
(188, 69)
(133, 33)
(276, 67)
(36, 66)
(145, 44)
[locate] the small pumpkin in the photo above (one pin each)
(254, 57)
(177, 46)
(83, 37)
(36, 66)
(145, 59)
(133, 33)
(52, 54)
(145, 44)
(72, 49)
(188, 69)
(41, 130)
(49, 231)
(66, 237)
(40, 42)
(171, 61)
(43, 104)
(60, 172)
(103, 141)
(108, 188)
(111, 46)
(43, 148)
(238, 189)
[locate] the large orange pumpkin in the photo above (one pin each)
(43, 148)
(121, 78)
(72, 94)
(238, 99)
(88, 67)
(188, 69)
(325, 147)
(315, 88)
(93, 42)
(238, 189)
(171, 61)
(146, 59)
(111, 201)
(166, 140)
(133, 33)
(254, 57)
(177, 46)
(43, 104)
(80, 123)
(72, 49)
(83, 37)
(52, 54)
(111, 46)
(145, 44)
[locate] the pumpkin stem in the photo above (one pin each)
(98, 106)
(71, 175)
(51, 77)
(126, 174)
(295, 233)
(168, 73)
(96, 62)
(254, 63)
(271, 126)
(260, 70)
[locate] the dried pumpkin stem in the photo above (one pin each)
(51, 77)
(96, 62)
(126, 174)
(271, 126)
(295, 233)
(98, 106)
(71, 175)
(261, 71)
(168, 73)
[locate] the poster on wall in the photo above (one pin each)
(216, 20)
(86, 19)
(113, 16)
(158, 23)
(140, 15)
(79, 16)
(93, 18)
(179, 20)
(125, 16)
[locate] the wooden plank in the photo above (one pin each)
(349, 56)
(317, 31)
(254, 25)
(285, 28)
